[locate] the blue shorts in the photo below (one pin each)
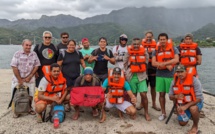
(199, 105)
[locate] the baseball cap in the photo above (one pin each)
(84, 39)
(117, 70)
(88, 70)
(180, 68)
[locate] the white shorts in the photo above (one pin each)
(30, 85)
(122, 107)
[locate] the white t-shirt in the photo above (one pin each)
(119, 54)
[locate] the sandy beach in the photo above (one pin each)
(87, 124)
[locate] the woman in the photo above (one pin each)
(70, 60)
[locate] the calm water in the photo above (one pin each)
(206, 70)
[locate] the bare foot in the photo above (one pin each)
(147, 117)
(103, 119)
(95, 113)
(133, 117)
(75, 116)
(120, 114)
(193, 130)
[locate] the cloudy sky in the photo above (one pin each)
(33, 9)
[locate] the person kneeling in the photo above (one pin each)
(88, 83)
(186, 91)
(116, 85)
(52, 89)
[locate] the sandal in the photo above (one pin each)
(162, 117)
(31, 112)
(39, 118)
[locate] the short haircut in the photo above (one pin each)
(163, 34)
(47, 32)
(72, 41)
(25, 41)
(103, 39)
(54, 65)
(64, 33)
(134, 39)
(189, 35)
(149, 31)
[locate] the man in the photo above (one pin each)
(120, 50)
(101, 56)
(86, 52)
(135, 64)
(64, 40)
(149, 44)
(88, 79)
(116, 82)
(190, 54)
(186, 91)
(47, 54)
(164, 58)
(25, 64)
(47, 93)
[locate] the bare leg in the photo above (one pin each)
(195, 115)
(103, 117)
(39, 108)
(162, 102)
(145, 105)
(131, 110)
(76, 115)
(153, 94)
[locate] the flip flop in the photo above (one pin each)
(31, 112)
(156, 108)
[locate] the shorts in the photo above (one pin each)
(70, 81)
(102, 77)
(37, 101)
(151, 81)
(138, 86)
(30, 85)
(199, 105)
(163, 84)
(122, 107)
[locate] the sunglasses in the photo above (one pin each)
(47, 37)
(64, 37)
(123, 39)
(136, 44)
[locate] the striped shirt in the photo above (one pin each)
(25, 64)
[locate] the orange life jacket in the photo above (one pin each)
(137, 59)
(116, 89)
(54, 87)
(186, 88)
(149, 47)
(165, 55)
(188, 56)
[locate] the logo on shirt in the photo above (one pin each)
(48, 53)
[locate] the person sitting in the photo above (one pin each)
(116, 85)
(52, 88)
(86, 80)
(186, 91)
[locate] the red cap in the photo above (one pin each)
(84, 39)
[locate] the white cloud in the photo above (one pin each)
(33, 9)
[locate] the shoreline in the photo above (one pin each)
(87, 124)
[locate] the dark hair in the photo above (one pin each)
(54, 65)
(163, 34)
(103, 38)
(64, 33)
(150, 32)
(182, 40)
(72, 41)
(135, 39)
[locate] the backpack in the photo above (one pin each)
(63, 53)
(94, 79)
(108, 51)
(20, 100)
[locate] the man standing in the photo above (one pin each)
(164, 58)
(190, 54)
(101, 56)
(47, 93)
(186, 91)
(47, 54)
(120, 50)
(64, 40)
(25, 64)
(86, 52)
(135, 63)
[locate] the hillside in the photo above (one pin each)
(173, 21)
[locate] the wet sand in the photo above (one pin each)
(87, 124)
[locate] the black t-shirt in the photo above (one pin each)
(101, 65)
(61, 47)
(46, 54)
(71, 63)
(86, 83)
(198, 51)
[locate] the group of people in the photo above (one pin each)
(145, 63)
